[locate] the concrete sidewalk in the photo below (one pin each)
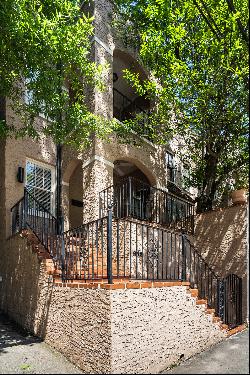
(228, 357)
(24, 354)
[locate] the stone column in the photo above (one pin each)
(65, 204)
(97, 176)
(103, 47)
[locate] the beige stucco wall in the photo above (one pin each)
(153, 328)
(26, 288)
(79, 326)
(74, 321)
(221, 237)
(101, 330)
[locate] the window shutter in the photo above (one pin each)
(39, 184)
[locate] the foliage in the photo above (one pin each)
(45, 46)
(197, 51)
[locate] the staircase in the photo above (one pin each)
(127, 250)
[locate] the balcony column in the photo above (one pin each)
(97, 176)
(103, 51)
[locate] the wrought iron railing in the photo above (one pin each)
(136, 199)
(112, 247)
(29, 213)
(126, 109)
(85, 251)
(202, 276)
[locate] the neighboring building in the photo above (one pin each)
(150, 208)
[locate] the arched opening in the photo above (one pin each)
(132, 191)
(76, 197)
(126, 102)
(124, 169)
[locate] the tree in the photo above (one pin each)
(45, 45)
(197, 51)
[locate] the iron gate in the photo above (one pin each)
(233, 300)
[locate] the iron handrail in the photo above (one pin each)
(157, 206)
(130, 101)
(16, 204)
(202, 258)
(39, 203)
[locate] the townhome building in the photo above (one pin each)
(114, 277)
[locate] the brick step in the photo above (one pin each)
(216, 319)
(237, 329)
(224, 326)
(201, 302)
(194, 292)
(210, 311)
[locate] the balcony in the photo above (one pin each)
(127, 109)
(135, 199)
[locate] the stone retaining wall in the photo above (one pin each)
(121, 328)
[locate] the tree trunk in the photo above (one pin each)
(205, 200)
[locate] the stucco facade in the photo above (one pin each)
(131, 328)
(221, 237)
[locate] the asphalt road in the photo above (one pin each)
(228, 357)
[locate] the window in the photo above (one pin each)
(29, 95)
(171, 169)
(40, 182)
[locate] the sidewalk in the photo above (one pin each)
(228, 357)
(23, 354)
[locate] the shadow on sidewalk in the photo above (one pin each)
(12, 334)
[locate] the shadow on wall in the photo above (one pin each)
(26, 287)
(221, 238)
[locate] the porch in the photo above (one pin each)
(115, 249)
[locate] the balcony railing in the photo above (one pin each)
(136, 199)
(126, 109)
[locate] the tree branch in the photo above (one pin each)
(211, 18)
(206, 19)
(240, 26)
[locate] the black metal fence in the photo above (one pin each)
(136, 199)
(29, 213)
(125, 109)
(112, 247)
(233, 297)
(85, 251)
(201, 276)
